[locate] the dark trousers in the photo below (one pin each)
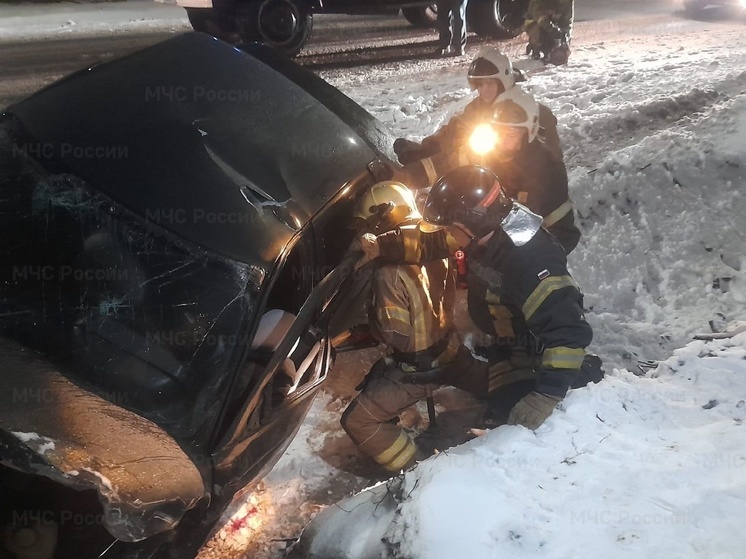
(452, 23)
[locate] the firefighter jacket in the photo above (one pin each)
(531, 280)
(535, 176)
(412, 311)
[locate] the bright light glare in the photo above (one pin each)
(242, 523)
(483, 139)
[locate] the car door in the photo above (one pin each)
(282, 387)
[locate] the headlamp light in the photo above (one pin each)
(483, 139)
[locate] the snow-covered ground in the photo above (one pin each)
(653, 122)
(641, 465)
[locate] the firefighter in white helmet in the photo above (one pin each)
(526, 153)
(530, 167)
(490, 75)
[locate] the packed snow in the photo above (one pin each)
(650, 462)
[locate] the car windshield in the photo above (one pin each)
(206, 141)
(126, 309)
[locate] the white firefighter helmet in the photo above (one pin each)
(385, 206)
(519, 109)
(490, 63)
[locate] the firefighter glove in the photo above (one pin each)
(408, 151)
(532, 410)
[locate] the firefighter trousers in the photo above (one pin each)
(369, 419)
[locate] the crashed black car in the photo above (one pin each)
(173, 234)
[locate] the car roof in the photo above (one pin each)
(231, 149)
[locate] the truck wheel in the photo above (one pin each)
(498, 19)
(422, 16)
(282, 24)
(207, 20)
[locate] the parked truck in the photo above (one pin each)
(286, 24)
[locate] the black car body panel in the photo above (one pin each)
(158, 213)
(212, 143)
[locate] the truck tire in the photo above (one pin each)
(498, 19)
(282, 24)
(423, 17)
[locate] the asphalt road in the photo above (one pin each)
(27, 66)
(336, 41)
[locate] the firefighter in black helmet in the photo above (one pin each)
(411, 313)
(512, 262)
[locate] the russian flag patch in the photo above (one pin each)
(543, 274)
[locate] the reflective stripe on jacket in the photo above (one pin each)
(535, 176)
(412, 312)
(531, 280)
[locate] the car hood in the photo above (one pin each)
(231, 149)
(51, 427)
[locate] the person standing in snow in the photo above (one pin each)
(549, 26)
(451, 24)
(522, 146)
(411, 313)
(512, 262)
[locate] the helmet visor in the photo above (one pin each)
(482, 68)
(434, 214)
(476, 83)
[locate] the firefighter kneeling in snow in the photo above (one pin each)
(549, 26)
(512, 262)
(411, 312)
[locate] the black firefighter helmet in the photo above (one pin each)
(469, 195)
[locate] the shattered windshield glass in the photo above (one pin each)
(140, 317)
